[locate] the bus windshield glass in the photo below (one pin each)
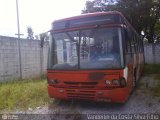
(86, 49)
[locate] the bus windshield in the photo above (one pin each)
(99, 48)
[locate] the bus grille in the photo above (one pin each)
(80, 84)
(81, 94)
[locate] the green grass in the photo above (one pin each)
(23, 94)
(157, 76)
(152, 69)
(156, 90)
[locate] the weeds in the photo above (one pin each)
(23, 94)
(152, 69)
(153, 85)
(157, 76)
(140, 84)
(156, 90)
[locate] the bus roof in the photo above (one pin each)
(89, 19)
(113, 18)
(88, 15)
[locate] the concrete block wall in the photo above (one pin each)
(30, 58)
(9, 67)
(157, 53)
(152, 53)
(148, 53)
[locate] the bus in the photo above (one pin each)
(94, 56)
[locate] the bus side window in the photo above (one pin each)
(128, 50)
(135, 43)
(133, 46)
(141, 45)
(128, 42)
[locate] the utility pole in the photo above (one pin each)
(42, 38)
(19, 44)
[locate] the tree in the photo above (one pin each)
(43, 37)
(37, 37)
(142, 14)
(157, 31)
(30, 33)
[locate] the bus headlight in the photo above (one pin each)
(122, 82)
(115, 82)
(108, 82)
(53, 82)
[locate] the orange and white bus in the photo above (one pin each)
(95, 56)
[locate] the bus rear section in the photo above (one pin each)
(87, 59)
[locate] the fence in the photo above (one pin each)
(34, 58)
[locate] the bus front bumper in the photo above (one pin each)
(118, 95)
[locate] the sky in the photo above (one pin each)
(38, 14)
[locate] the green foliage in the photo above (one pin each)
(44, 36)
(157, 30)
(37, 37)
(157, 76)
(30, 33)
(155, 70)
(152, 69)
(23, 94)
(156, 90)
(142, 14)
